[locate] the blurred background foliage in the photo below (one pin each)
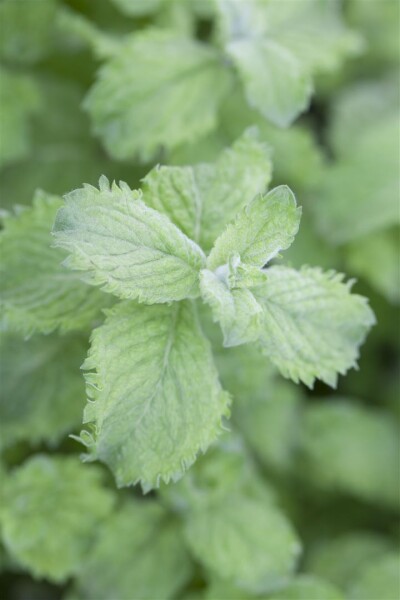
(318, 469)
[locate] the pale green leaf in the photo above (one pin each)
(348, 448)
(273, 47)
(313, 325)
(379, 579)
(170, 96)
(280, 92)
(200, 200)
(26, 29)
(296, 154)
(37, 292)
(244, 541)
(158, 401)
(359, 192)
(260, 231)
(139, 553)
(19, 100)
(339, 559)
(51, 510)
(237, 311)
(308, 587)
(125, 247)
(42, 389)
(375, 257)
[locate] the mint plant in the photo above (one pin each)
(154, 394)
(185, 410)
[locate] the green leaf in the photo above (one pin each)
(138, 8)
(283, 36)
(244, 541)
(25, 29)
(51, 511)
(19, 100)
(313, 326)
(269, 421)
(340, 559)
(38, 293)
(359, 191)
(158, 401)
(42, 389)
(130, 250)
(346, 447)
(226, 470)
(379, 579)
(307, 587)
(237, 311)
(260, 231)
(139, 539)
(131, 119)
(62, 152)
(280, 92)
(201, 200)
(375, 257)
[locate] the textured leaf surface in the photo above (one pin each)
(158, 401)
(170, 97)
(283, 36)
(51, 511)
(25, 29)
(244, 541)
(313, 326)
(352, 449)
(37, 292)
(264, 227)
(237, 311)
(19, 100)
(131, 250)
(138, 539)
(200, 200)
(42, 389)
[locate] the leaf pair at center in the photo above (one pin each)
(155, 399)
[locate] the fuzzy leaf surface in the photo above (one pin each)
(51, 511)
(158, 400)
(313, 325)
(171, 95)
(202, 199)
(260, 231)
(233, 305)
(37, 292)
(126, 247)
